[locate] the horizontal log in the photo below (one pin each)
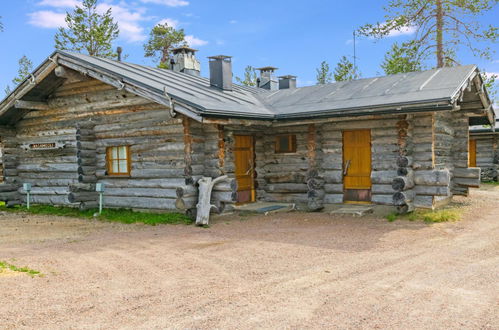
(5, 187)
(470, 173)
(467, 182)
(31, 105)
(139, 203)
(9, 195)
(382, 199)
(383, 177)
(88, 205)
(432, 190)
(82, 197)
(333, 188)
(432, 178)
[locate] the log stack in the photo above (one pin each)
(403, 185)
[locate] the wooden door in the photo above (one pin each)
(245, 168)
(357, 166)
(472, 154)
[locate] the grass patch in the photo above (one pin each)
(493, 183)
(391, 217)
(29, 271)
(114, 215)
(443, 215)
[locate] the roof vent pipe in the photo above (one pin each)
(119, 50)
(267, 79)
(287, 82)
(221, 72)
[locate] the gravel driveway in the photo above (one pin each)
(291, 270)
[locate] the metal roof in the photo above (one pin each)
(401, 93)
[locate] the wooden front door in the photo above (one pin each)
(357, 166)
(472, 154)
(245, 168)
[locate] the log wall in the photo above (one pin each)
(487, 155)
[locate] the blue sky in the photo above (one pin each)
(294, 36)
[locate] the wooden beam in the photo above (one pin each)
(68, 74)
(31, 105)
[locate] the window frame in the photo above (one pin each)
(291, 144)
(110, 159)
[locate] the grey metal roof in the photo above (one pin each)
(416, 91)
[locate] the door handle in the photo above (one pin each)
(345, 169)
(250, 169)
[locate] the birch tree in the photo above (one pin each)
(24, 70)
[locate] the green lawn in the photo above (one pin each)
(115, 215)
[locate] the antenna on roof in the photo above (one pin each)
(354, 51)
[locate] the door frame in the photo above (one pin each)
(253, 165)
(345, 201)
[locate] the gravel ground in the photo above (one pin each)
(291, 270)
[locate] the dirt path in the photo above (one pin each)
(293, 270)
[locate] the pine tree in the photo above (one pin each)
(401, 58)
(249, 77)
(24, 70)
(88, 31)
(324, 75)
(162, 39)
(441, 26)
(345, 70)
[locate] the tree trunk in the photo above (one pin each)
(204, 205)
(440, 34)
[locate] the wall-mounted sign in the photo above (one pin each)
(43, 146)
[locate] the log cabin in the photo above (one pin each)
(150, 134)
(484, 152)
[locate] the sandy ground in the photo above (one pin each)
(292, 270)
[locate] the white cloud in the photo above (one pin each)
(128, 20)
(170, 21)
(47, 19)
(232, 21)
(169, 3)
(195, 42)
(406, 30)
(59, 3)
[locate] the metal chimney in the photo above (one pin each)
(287, 82)
(119, 50)
(267, 79)
(221, 72)
(184, 60)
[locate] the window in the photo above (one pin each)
(285, 143)
(118, 160)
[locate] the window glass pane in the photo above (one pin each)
(123, 166)
(114, 153)
(284, 143)
(122, 153)
(114, 166)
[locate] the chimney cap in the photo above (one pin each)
(183, 49)
(267, 68)
(220, 57)
(289, 76)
